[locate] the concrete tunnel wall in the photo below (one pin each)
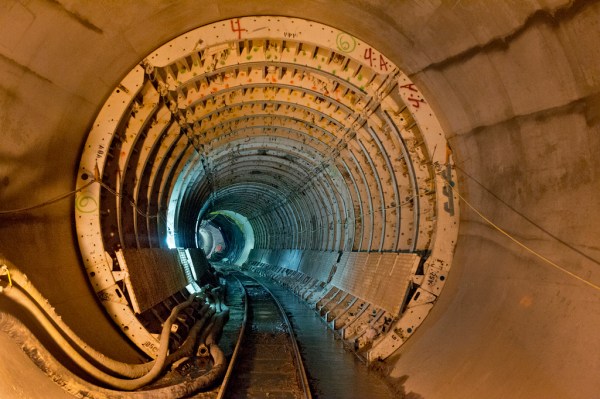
(516, 87)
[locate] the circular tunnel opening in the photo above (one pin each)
(282, 144)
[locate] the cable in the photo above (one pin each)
(80, 388)
(123, 369)
(46, 203)
(156, 368)
(566, 244)
(35, 297)
(25, 294)
(70, 193)
(131, 202)
(516, 241)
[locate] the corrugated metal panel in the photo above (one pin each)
(255, 255)
(381, 279)
(199, 261)
(271, 257)
(154, 274)
(290, 259)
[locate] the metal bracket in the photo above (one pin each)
(4, 271)
(119, 275)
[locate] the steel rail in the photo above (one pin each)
(300, 370)
(238, 345)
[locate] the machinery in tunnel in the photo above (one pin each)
(226, 236)
(215, 243)
(330, 151)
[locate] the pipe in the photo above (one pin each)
(115, 366)
(219, 322)
(20, 298)
(187, 348)
(123, 369)
(82, 389)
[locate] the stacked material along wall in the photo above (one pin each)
(370, 298)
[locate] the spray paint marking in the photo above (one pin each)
(237, 28)
(86, 203)
(415, 101)
(100, 152)
(447, 191)
(373, 58)
(345, 43)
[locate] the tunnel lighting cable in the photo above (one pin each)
(73, 192)
(46, 203)
(515, 240)
(566, 244)
(131, 202)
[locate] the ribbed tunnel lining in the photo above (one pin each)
(315, 137)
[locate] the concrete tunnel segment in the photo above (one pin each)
(515, 88)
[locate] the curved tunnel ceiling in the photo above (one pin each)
(315, 137)
(515, 87)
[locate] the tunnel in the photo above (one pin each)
(431, 158)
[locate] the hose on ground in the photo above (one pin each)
(123, 369)
(119, 383)
(82, 389)
(187, 348)
(149, 370)
(215, 332)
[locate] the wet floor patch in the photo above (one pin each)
(333, 372)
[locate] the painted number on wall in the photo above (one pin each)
(237, 27)
(100, 152)
(376, 60)
(447, 191)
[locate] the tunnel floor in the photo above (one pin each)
(333, 372)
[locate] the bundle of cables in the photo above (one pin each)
(118, 379)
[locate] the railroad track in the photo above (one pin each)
(266, 361)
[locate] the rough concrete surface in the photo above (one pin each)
(515, 85)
